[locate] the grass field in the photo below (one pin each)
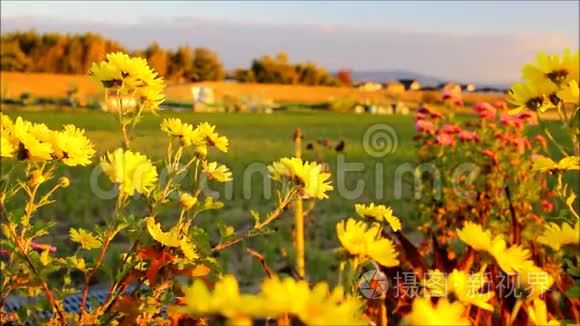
(255, 140)
(56, 85)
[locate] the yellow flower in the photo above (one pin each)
(307, 175)
(5, 122)
(534, 280)
(78, 263)
(150, 97)
(364, 242)
(187, 201)
(545, 164)
(29, 146)
(206, 131)
(538, 313)
(553, 68)
(474, 235)
(64, 182)
(131, 171)
(224, 300)
(316, 306)
(466, 287)
(220, 173)
(570, 93)
(510, 259)
(6, 148)
(188, 249)
(86, 239)
(7, 141)
(183, 131)
(169, 239)
(379, 213)
(72, 147)
(130, 77)
(423, 312)
(535, 97)
(556, 236)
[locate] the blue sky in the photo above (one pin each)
(517, 29)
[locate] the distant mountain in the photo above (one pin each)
(391, 75)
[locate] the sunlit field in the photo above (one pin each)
(162, 186)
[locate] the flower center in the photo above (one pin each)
(557, 76)
(535, 103)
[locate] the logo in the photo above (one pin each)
(373, 284)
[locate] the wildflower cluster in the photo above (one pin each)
(130, 76)
(549, 82)
(279, 299)
(310, 178)
(131, 87)
(503, 249)
(35, 142)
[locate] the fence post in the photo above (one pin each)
(299, 212)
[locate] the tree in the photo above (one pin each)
(158, 58)
(12, 58)
(206, 66)
(345, 77)
(181, 63)
(244, 75)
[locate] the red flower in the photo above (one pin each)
(466, 136)
(445, 139)
(425, 126)
(546, 206)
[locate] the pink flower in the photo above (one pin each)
(511, 121)
(425, 126)
(528, 118)
(500, 105)
(425, 110)
(485, 110)
(518, 121)
(41, 247)
(420, 116)
(445, 139)
(466, 136)
(521, 144)
(450, 128)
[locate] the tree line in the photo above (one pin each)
(74, 53)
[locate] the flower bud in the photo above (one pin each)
(187, 200)
(64, 182)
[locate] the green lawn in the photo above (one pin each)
(255, 140)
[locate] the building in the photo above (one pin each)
(468, 87)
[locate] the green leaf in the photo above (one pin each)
(256, 217)
(574, 292)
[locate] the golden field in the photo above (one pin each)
(13, 84)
